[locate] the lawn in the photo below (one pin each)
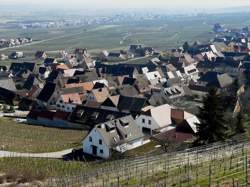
(35, 139)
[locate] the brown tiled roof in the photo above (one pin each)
(87, 86)
(101, 94)
(72, 98)
(62, 66)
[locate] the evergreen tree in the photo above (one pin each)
(186, 47)
(212, 126)
(239, 127)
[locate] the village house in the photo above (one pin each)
(112, 56)
(48, 95)
(67, 101)
(155, 118)
(44, 72)
(221, 81)
(56, 119)
(16, 55)
(98, 95)
(159, 119)
(119, 135)
(18, 68)
(41, 55)
(191, 72)
(3, 57)
(89, 116)
(153, 77)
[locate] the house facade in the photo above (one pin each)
(154, 118)
(118, 135)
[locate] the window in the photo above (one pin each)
(149, 122)
(90, 139)
(101, 151)
(143, 120)
(100, 141)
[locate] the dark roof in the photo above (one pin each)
(47, 92)
(32, 80)
(234, 54)
(87, 76)
(49, 61)
(42, 70)
(7, 96)
(93, 116)
(16, 67)
(246, 65)
(34, 114)
(54, 75)
(3, 68)
(132, 104)
(128, 90)
(216, 79)
(114, 54)
(79, 72)
(128, 80)
(118, 70)
(98, 85)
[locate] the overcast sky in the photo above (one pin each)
(132, 3)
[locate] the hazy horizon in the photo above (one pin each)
(186, 5)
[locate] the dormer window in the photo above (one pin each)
(90, 139)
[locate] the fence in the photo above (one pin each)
(221, 164)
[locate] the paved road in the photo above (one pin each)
(56, 155)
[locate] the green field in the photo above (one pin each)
(162, 35)
(35, 139)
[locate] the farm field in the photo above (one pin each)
(161, 35)
(35, 139)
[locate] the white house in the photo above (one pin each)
(68, 102)
(153, 77)
(117, 135)
(154, 118)
(191, 72)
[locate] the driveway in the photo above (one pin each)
(56, 155)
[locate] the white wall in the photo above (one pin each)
(152, 126)
(65, 107)
(87, 145)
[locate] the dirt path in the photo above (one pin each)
(56, 155)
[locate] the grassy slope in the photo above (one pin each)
(26, 138)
